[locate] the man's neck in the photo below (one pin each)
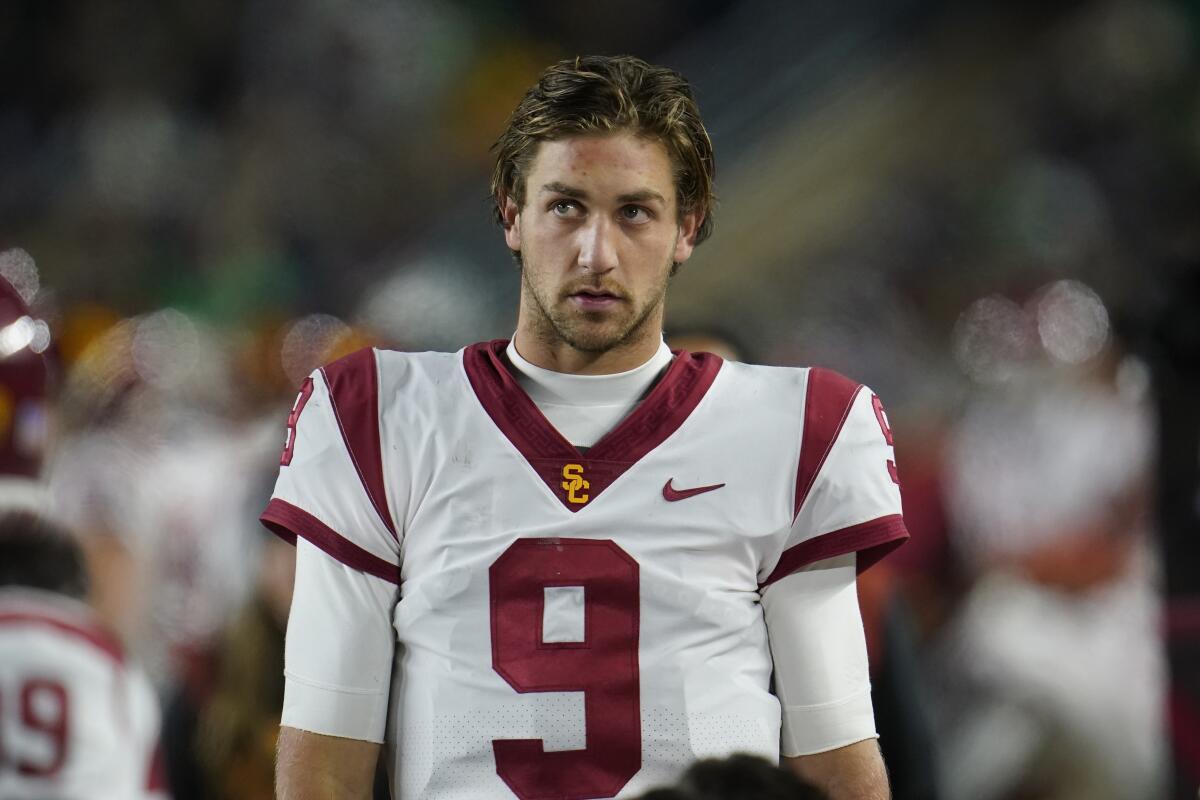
(552, 353)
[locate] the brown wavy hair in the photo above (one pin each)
(601, 94)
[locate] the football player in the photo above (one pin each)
(548, 567)
(77, 720)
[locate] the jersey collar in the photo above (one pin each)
(577, 478)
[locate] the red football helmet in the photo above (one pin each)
(24, 377)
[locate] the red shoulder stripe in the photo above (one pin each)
(871, 540)
(99, 638)
(353, 383)
(288, 521)
(826, 406)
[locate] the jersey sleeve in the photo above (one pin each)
(330, 489)
(337, 610)
(847, 497)
(819, 653)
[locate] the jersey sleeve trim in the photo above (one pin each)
(353, 383)
(819, 728)
(288, 521)
(828, 401)
(333, 713)
(871, 540)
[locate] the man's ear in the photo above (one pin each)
(685, 243)
(512, 223)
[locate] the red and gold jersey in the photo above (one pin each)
(76, 720)
(579, 624)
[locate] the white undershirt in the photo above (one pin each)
(824, 690)
(585, 407)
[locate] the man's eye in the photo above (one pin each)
(634, 214)
(564, 207)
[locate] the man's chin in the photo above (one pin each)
(593, 343)
(592, 338)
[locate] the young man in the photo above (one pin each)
(547, 568)
(76, 719)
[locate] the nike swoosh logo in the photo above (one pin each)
(672, 494)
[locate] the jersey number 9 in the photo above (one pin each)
(44, 713)
(604, 665)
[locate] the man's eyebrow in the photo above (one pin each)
(641, 196)
(554, 187)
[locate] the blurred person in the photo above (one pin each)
(157, 478)
(77, 719)
(738, 777)
(548, 567)
(222, 720)
(1050, 675)
(222, 723)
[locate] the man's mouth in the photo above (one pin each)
(593, 299)
(595, 293)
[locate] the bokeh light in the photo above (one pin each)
(19, 269)
(994, 339)
(1072, 322)
(308, 342)
(165, 348)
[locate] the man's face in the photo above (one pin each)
(598, 234)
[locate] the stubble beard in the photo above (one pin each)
(589, 332)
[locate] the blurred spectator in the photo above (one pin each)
(1051, 675)
(156, 474)
(79, 720)
(223, 721)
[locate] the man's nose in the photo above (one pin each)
(597, 245)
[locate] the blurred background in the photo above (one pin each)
(988, 212)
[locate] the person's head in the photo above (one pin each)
(603, 184)
(38, 554)
(738, 777)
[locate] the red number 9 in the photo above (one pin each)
(45, 709)
(881, 417)
(289, 444)
(604, 666)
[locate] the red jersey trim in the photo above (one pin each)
(656, 417)
(353, 383)
(827, 405)
(156, 774)
(288, 521)
(872, 541)
(94, 635)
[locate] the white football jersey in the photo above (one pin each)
(580, 624)
(76, 720)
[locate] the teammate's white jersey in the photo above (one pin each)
(580, 624)
(77, 721)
